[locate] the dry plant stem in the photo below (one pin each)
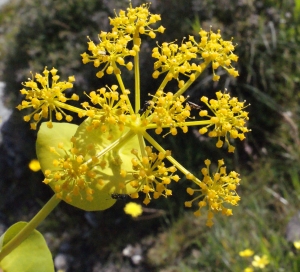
(30, 227)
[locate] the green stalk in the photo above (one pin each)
(121, 84)
(68, 107)
(164, 83)
(190, 123)
(30, 227)
(136, 63)
(137, 82)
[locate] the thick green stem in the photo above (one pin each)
(30, 227)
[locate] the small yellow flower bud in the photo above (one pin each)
(188, 204)
(197, 213)
(175, 178)
(203, 113)
(152, 34)
(173, 131)
(216, 78)
(204, 99)
(26, 118)
(219, 144)
(36, 117)
(231, 149)
(190, 191)
(100, 74)
(110, 70)
(146, 201)
(203, 130)
(129, 66)
(58, 116)
(69, 118)
(158, 130)
(49, 124)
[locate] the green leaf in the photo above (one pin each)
(119, 157)
(114, 147)
(30, 256)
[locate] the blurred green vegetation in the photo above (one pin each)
(37, 33)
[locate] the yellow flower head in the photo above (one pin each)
(214, 49)
(136, 21)
(184, 59)
(46, 98)
(228, 119)
(260, 262)
(34, 165)
(133, 209)
(246, 253)
(175, 60)
(108, 108)
(297, 244)
(215, 190)
(111, 52)
(114, 47)
(74, 174)
(150, 175)
(168, 111)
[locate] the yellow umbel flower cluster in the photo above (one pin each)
(229, 119)
(110, 51)
(113, 47)
(214, 49)
(109, 153)
(46, 99)
(215, 190)
(167, 111)
(176, 59)
(137, 21)
(150, 175)
(74, 175)
(112, 111)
